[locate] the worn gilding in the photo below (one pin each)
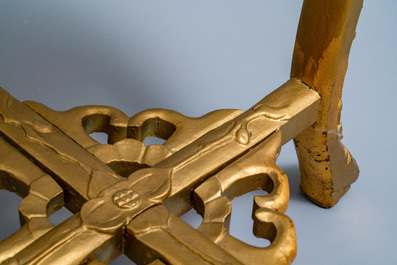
(127, 197)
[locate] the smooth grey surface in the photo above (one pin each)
(197, 56)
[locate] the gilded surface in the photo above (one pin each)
(326, 165)
(127, 197)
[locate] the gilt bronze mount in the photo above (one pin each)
(126, 197)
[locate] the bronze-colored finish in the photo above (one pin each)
(126, 197)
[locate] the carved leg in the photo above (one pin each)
(325, 34)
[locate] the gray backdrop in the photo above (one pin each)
(197, 56)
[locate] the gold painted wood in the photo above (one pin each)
(325, 35)
(126, 197)
(248, 140)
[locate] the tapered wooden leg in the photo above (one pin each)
(325, 34)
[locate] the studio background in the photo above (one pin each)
(198, 56)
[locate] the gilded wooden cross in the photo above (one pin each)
(126, 197)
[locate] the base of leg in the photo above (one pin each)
(327, 169)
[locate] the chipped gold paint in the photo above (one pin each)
(326, 165)
(126, 197)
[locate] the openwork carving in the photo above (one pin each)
(126, 197)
